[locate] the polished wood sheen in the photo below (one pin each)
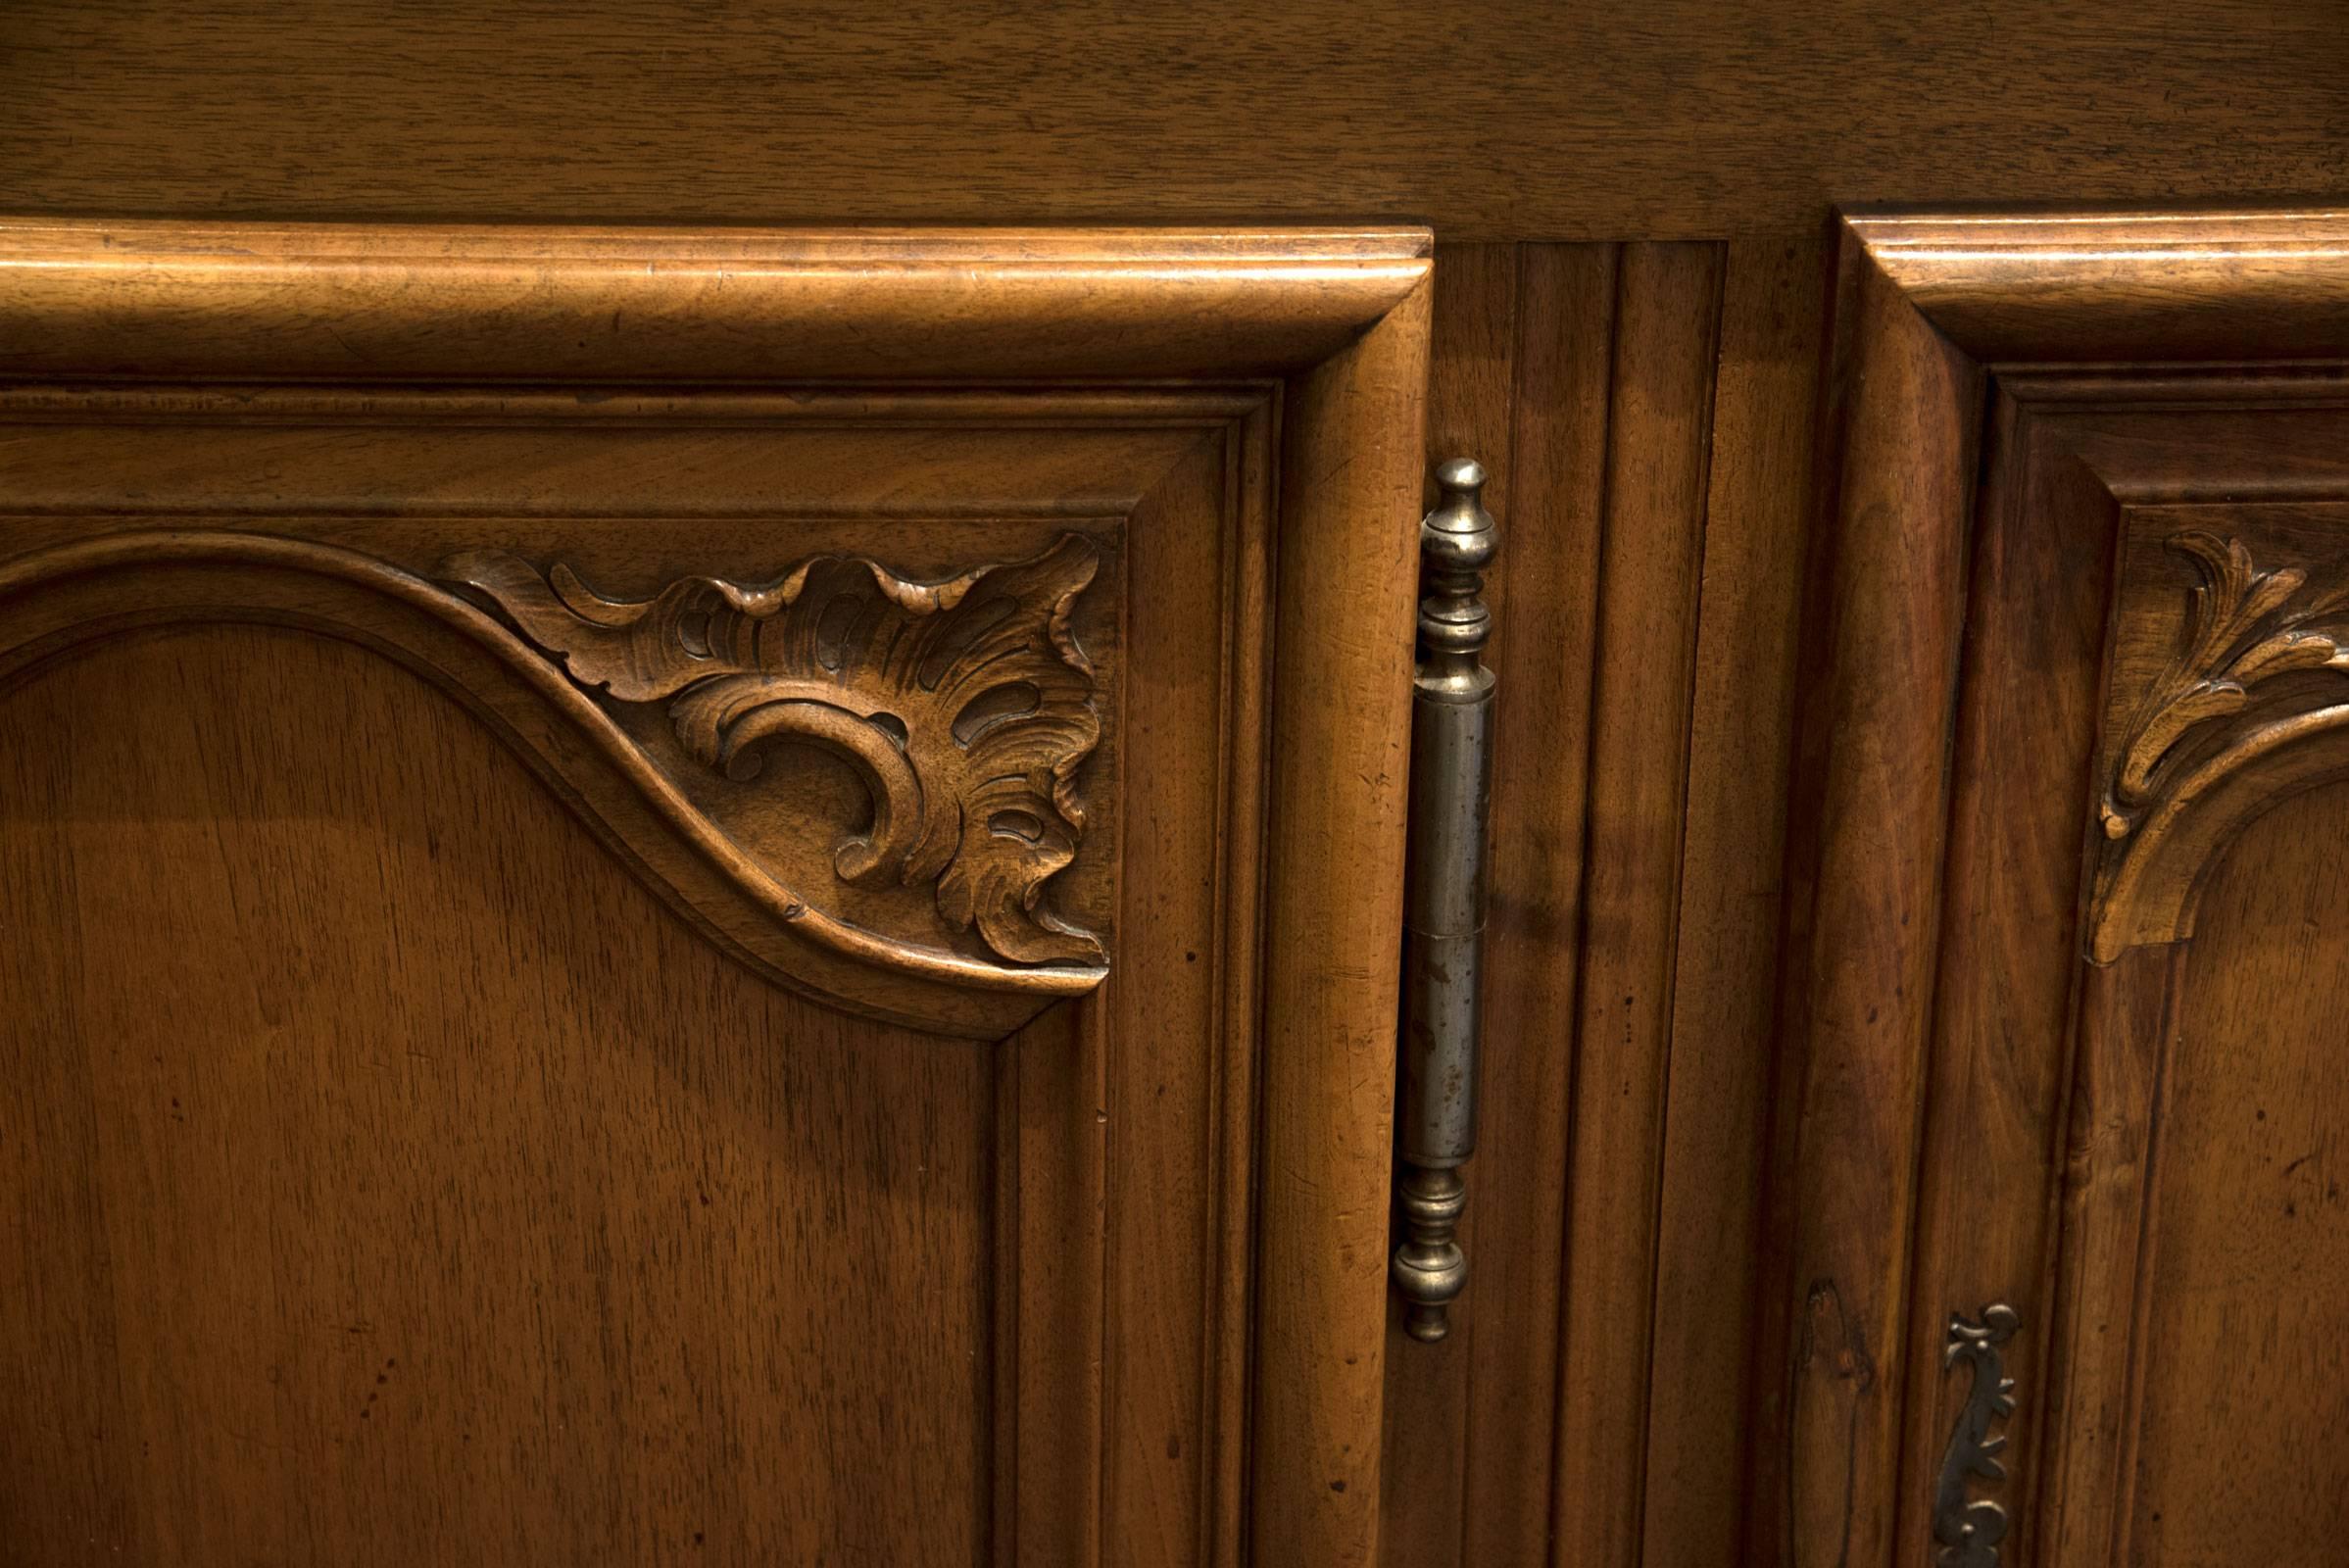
(368, 1124)
(1507, 122)
(1531, 373)
(1894, 910)
(2060, 996)
(2245, 1292)
(642, 934)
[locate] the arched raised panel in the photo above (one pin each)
(901, 609)
(364, 1119)
(2197, 1329)
(2228, 694)
(2077, 684)
(558, 673)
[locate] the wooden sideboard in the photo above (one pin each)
(534, 1030)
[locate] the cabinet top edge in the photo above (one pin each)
(159, 298)
(2118, 284)
(1991, 230)
(1204, 246)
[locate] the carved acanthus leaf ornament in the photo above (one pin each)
(2248, 626)
(965, 706)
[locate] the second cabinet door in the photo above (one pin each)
(2071, 963)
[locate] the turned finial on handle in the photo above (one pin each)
(1430, 1270)
(1456, 542)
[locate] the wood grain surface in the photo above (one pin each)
(270, 301)
(1692, 119)
(1651, 552)
(395, 1179)
(1157, 1354)
(1701, 1431)
(2081, 482)
(1544, 594)
(1337, 748)
(2242, 1409)
(1550, 358)
(1470, 386)
(1703, 1322)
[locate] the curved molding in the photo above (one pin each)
(965, 707)
(1932, 309)
(2150, 894)
(2216, 739)
(55, 600)
(1308, 347)
(280, 301)
(2248, 626)
(2122, 285)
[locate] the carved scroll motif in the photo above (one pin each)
(2248, 626)
(965, 705)
(2222, 706)
(1969, 1529)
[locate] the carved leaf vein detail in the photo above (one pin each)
(965, 706)
(2248, 626)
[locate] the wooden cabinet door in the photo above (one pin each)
(2069, 975)
(699, 897)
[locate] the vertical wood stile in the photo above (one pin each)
(1429, 1396)
(1724, 1027)
(1884, 618)
(1354, 453)
(1650, 556)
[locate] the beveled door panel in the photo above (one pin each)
(2197, 1371)
(515, 1190)
(637, 866)
(2065, 989)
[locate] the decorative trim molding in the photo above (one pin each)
(965, 705)
(168, 299)
(1969, 1530)
(2246, 627)
(1932, 310)
(1308, 346)
(88, 590)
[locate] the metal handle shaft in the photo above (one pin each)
(1443, 909)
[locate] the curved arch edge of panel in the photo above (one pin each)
(59, 600)
(2152, 891)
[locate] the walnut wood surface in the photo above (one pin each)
(1521, 378)
(396, 1181)
(1992, 1010)
(1667, 306)
(1529, 374)
(1694, 120)
(2241, 1334)
(2123, 285)
(1863, 893)
(1703, 1435)
(2198, 1350)
(1475, 332)
(1544, 594)
(120, 297)
(1143, 1360)
(1927, 1156)
(1337, 744)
